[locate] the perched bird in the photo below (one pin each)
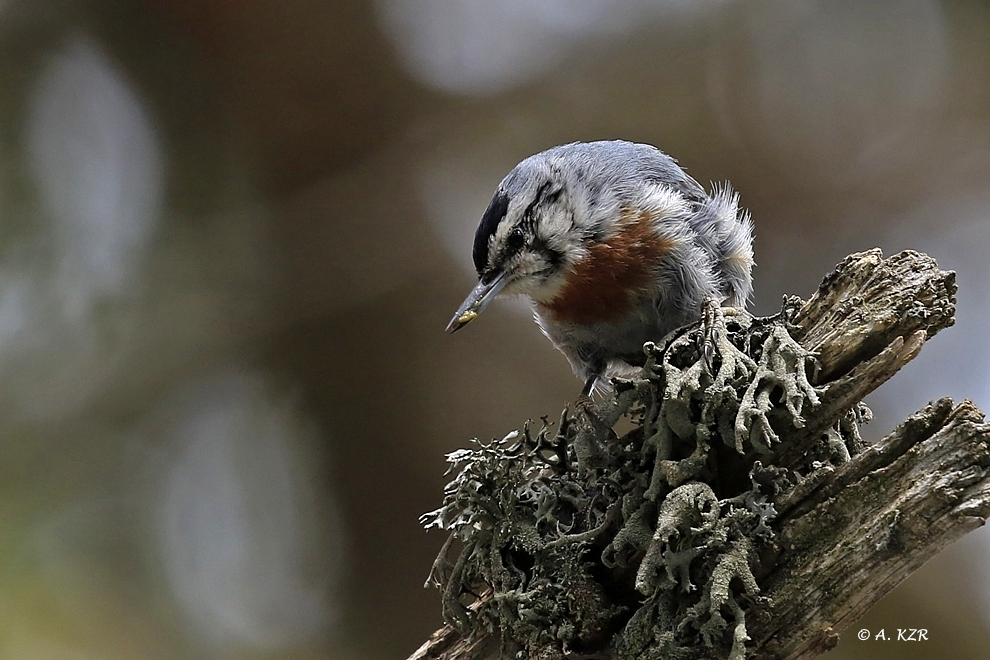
(615, 245)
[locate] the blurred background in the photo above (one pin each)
(232, 232)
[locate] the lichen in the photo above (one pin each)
(576, 542)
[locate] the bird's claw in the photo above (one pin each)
(711, 320)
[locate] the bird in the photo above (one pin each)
(615, 245)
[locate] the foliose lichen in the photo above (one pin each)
(576, 542)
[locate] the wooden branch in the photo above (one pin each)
(867, 302)
(868, 319)
(871, 523)
(447, 644)
(847, 534)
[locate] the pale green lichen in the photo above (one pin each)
(577, 542)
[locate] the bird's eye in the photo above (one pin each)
(516, 239)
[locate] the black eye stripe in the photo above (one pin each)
(553, 256)
(528, 217)
(495, 214)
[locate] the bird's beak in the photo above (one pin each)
(476, 301)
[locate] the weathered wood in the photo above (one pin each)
(848, 534)
(870, 524)
(447, 644)
(867, 302)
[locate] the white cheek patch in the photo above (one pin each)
(531, 278)
(522, 266)
(528, 263)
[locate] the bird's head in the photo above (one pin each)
(529, 238)
(559, 207)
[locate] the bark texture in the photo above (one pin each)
(751, 439)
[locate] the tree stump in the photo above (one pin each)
(742, 515)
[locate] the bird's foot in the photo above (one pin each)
(712, 324)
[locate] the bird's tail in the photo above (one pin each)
(727, 231)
